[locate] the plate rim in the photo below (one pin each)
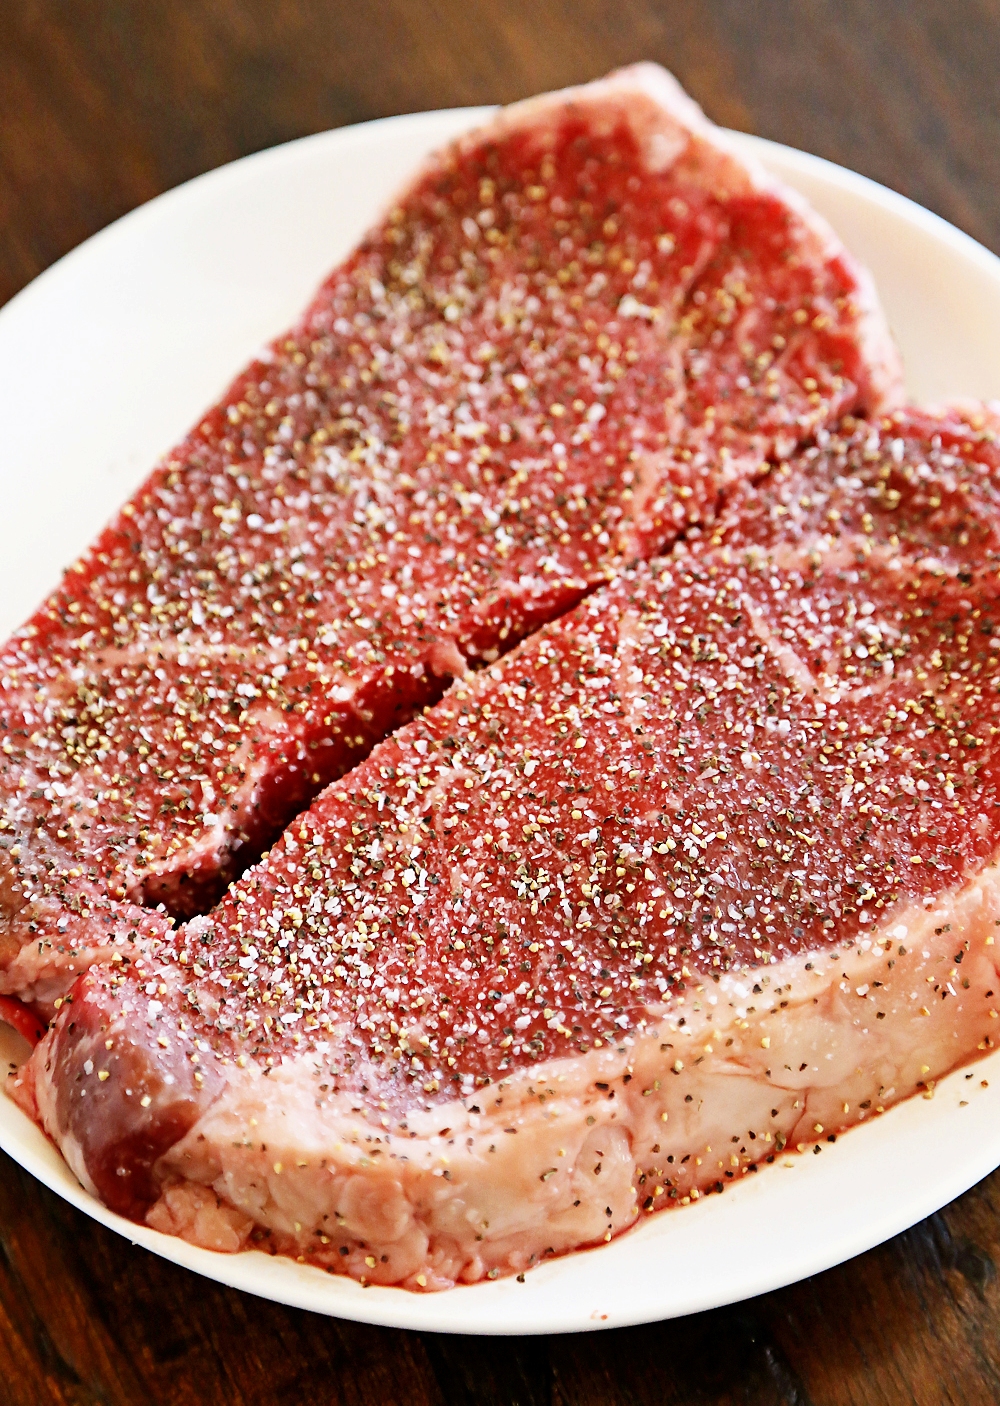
(394, 1307)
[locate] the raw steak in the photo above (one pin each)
(575, 327)
(702, 870)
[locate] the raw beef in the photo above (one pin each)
(703, 870)
(569, 334)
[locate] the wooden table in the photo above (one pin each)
(105, 103)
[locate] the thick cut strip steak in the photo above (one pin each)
(704, 868)
(575, 327)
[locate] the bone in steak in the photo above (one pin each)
(702, 870)
(571, 331)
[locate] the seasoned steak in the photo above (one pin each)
(700, 871)
(568, 335)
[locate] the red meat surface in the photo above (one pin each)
(22, 1019)
(702, 869)
(571, 332)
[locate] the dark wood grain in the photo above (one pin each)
(105, 103)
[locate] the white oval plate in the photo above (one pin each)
(106, 359)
